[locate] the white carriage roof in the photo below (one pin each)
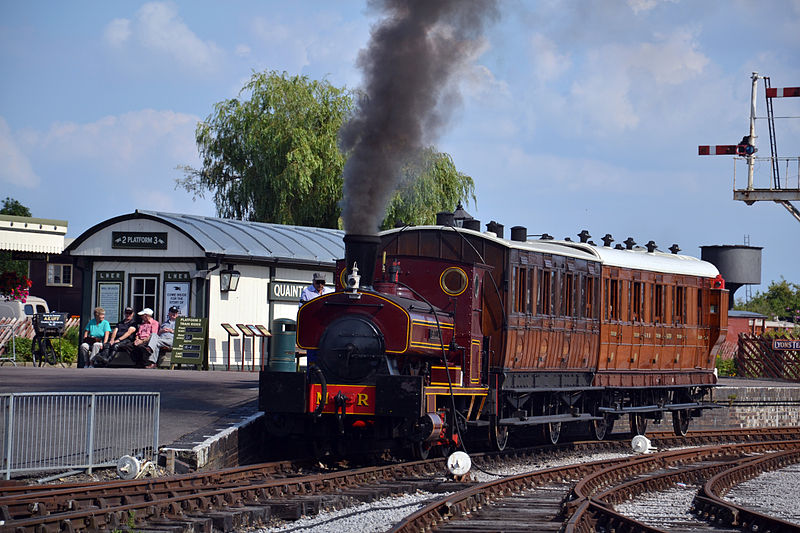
(637, 258)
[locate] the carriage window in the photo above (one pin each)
(679, 304)
(658, 304)
(700, 307)
(588, 297)
(569, 295)
(529, 295)
(543, 293)
(612, 299)
(637, 310)
(521, 290)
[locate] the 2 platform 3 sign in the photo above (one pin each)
(140, 240)
(786, 344)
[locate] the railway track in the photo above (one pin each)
(233, 498)
(581, 498)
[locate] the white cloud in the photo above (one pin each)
(673, 60)
(548, 63)
(117, 32)
(242, 50)
(642, 5)
(15, 168)
(158, 28)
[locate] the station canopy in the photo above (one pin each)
(32, 236)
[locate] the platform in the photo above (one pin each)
(202, 413)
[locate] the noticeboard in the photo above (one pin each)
(264, 331)
(230, 330)
(190, 344)
(245, 330)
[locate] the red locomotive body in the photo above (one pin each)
(462, 333)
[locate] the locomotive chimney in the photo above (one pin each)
(363, 251)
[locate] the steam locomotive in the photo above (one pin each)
(437, 334)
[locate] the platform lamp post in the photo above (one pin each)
(228, 279)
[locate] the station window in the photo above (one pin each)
(144, 292)
(59, 275)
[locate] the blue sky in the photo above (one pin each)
(573, 114)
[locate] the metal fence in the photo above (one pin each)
(76, 430)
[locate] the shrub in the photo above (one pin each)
(726, 367)
(64, 346)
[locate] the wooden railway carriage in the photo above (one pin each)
(496, 334)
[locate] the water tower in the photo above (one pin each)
(738, 264)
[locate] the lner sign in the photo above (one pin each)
(786, 344)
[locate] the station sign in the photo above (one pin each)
(190, 341)
(786, 344)
(286, 291)
(139, 240)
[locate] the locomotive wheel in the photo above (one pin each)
(680, 422)
(421, 450)
(498, 436)
(638, 424)
(602, 428)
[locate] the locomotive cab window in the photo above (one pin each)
(453, 281)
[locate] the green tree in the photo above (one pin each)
(429, 185)
(782, 299)
(272, 155)
(14, 208)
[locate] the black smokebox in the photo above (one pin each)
(362, 250)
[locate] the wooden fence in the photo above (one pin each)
(756, 358)
(24, 329)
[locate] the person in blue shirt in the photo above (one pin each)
(95, 336)
(317, 288)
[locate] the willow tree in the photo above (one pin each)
(272, 155)
(430, 184)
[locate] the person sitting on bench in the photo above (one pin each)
(121, 339)
(95, 336)
(142, 354)
(166, 332)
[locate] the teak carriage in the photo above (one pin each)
(438, 333)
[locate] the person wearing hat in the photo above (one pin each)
(317, 288)
(142, 353)
(166, 333)
(121, 339)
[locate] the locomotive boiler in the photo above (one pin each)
(437, 334)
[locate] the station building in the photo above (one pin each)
(228, 271)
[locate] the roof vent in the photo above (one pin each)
(567, 239)
(473, 224)
(674, 249)
(651, 246)
(618, 247)
(584, 236)
(629, 243)
(444, 218)
(519, 233)
(592, 243)
(607, 239)
(546, 237)
(495, 228)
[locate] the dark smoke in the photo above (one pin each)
(410, 68)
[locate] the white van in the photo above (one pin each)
(17, 309)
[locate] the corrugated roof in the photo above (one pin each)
(257, 240)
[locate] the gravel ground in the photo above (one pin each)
(367, 517)
(383, 514)
(774, 493)
(660, 509)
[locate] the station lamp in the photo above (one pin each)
(228, 279)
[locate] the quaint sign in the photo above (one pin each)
(191, 341)
(286, 291)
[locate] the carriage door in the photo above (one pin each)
(717, 321)
(144, 292)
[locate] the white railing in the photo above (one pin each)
(76, 430)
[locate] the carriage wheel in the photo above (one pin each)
(680, 422)
(638, 424)
(498, 436)
(602, 428)
(552, 430)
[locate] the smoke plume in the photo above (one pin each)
(411, 66)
